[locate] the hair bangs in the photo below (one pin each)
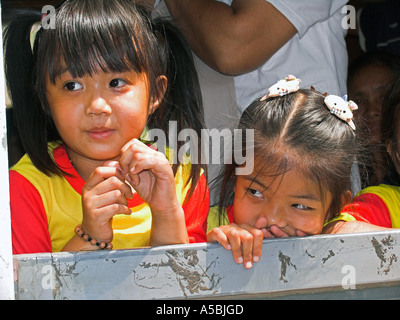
(112, 41)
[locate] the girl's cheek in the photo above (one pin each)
(308, 226)
(240, 214)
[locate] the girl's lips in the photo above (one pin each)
(100, 133)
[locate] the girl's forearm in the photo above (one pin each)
(169, 228)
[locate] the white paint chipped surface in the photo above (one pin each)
(288, 267)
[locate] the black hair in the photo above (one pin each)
(113, 35)
(298, 131)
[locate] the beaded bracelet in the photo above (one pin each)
(93, 242)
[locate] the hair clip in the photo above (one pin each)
(282, 87)
(342, 108)
(34, 30)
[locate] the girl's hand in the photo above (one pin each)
(244, 240)
(150, 174)
(274, 231)
(103, 196)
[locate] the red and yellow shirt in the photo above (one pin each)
(378, 205)
(45, 210)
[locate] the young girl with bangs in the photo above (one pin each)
(83, 97)
(304, 147)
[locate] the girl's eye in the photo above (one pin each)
(301, 207)
(255, 193)
(73, 86)
(115, 83)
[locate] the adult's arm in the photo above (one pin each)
(232, 39)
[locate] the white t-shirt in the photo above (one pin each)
(316, 54)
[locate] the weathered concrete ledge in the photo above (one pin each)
(351, 266)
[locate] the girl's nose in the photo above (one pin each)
(98, 106)
(276, 216)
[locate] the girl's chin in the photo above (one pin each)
(100, 155)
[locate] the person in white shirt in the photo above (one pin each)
(261, 41)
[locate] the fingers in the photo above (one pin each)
(244, 241)
(108, 178)
(278, 232)
(251, 245)
(217, 235)
(150, 174)
(300, 233)
(156, 163)
(136, 157)
(103, 196)
(262, 224)
(274, 231)
(108, 196)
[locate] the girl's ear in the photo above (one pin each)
(161, 87)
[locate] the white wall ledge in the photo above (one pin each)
(349, 266)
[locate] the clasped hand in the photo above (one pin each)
(106, 191)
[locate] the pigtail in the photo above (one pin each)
(30, 118)
(182, 101)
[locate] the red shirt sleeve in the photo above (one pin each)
(229, 212)
(196, 211)
(370, 208)
(28, 218)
